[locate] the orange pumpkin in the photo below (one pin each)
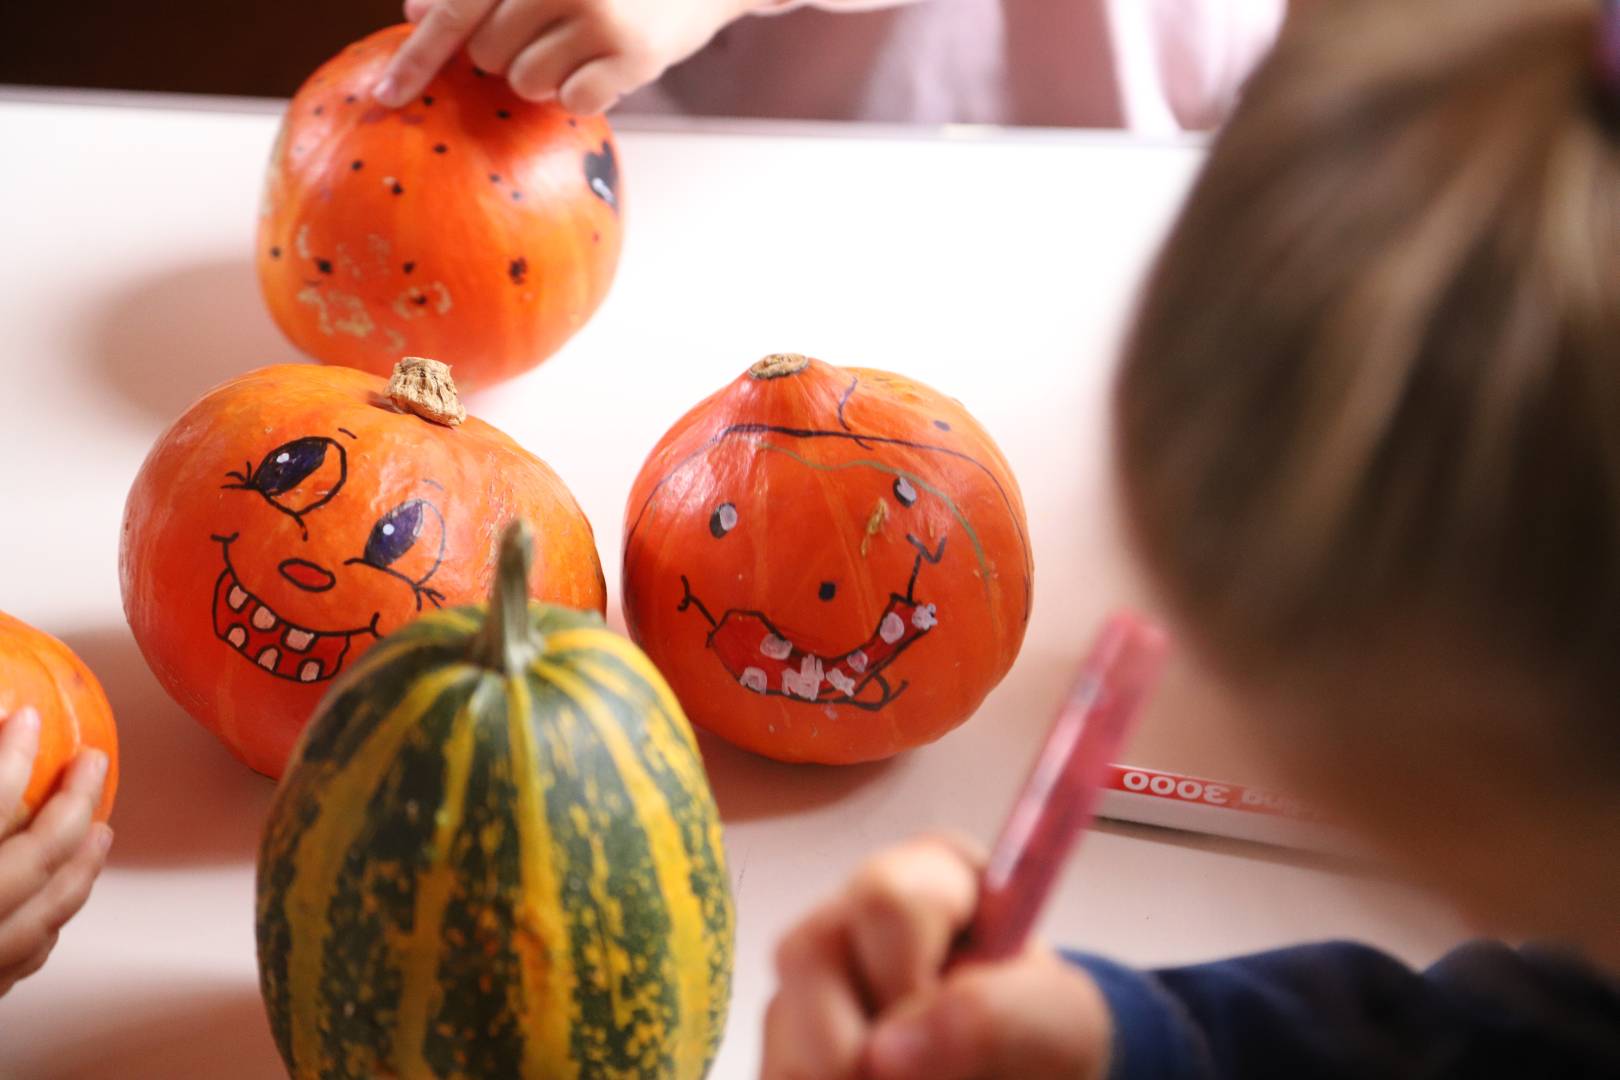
(297, 514)
(470, 223)
(827, 564)
(39, 671)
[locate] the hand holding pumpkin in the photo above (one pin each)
(47, 864)
(587, 53)
(863, 991)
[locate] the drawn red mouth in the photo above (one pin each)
(763, 660)
(249, 626)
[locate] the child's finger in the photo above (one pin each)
(816, 1024)
(415, 10)
(543, 65)
(39, 920)
(29, 859)
(11, 976)
(1033, 1018)
(907, 907)
(19, 742)
(436, 38)
(508, 29)
(599, 84)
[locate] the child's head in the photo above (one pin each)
(1369, 439)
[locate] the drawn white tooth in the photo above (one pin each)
(754, 679)
(237, 636)
(264, 618)
(268, 658)
(236, 597)
(893, 628)
(843, 683)
(298, 640)
(310, 671)
(924, 618)
(856, 661)
(776, 648)
(806, 682)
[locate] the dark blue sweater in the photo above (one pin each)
(1332, 1011)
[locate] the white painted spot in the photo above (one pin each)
(777, 648)
(310, 670)
(388, 529)
(268, 658)
(841, 682)
(297, 640)
(237, 636)
(301, 241)
(893, 628)
(806, 682)
(856, 661)
(283, 457)
(728, 517)
(907, 493)
(924, 617)
(264, 618)
(754, 679)
(236, 598)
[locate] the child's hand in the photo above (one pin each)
(47, 867)
(587, 53)
(862, 991)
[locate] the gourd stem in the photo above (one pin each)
(507, 641)
(777, 365)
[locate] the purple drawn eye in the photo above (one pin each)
(285, 467)
(394, 533)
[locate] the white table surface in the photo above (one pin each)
(998, 268)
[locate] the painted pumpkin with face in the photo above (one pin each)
(295, 515)
(470, 223)
(827, 564)
(38, 671)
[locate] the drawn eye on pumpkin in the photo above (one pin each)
(905, 492)
(723, 520)
(407, 542)
(298, 476)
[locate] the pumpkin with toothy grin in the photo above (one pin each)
(248, 625)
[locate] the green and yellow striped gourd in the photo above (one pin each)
(495, 854)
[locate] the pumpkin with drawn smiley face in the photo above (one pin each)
(827, 564)
(297, 514)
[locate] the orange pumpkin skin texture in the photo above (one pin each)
(827, 564)
(469, 223)
(39, 671)
(293, 516)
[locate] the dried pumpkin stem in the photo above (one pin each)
(777, 365)
(507, 642)
(424, 388)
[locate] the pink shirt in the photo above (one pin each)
(1146, 65)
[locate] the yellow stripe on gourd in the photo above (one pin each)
(322, 848)
(539, 933)
(585, 641)
(688, 952)
(664, 731)
(419, 987)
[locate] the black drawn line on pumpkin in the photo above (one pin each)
(855, 380)
(249, 479)
(811, 433)
(349, 433)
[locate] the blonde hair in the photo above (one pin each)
(1375, 376)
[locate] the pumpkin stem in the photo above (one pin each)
(424, 387)
(777, 365)
(507, 641)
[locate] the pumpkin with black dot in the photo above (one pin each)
(295, 515)
(37, 671)
(452, 189)
(828, 564)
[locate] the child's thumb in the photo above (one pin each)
(1031, 1018)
